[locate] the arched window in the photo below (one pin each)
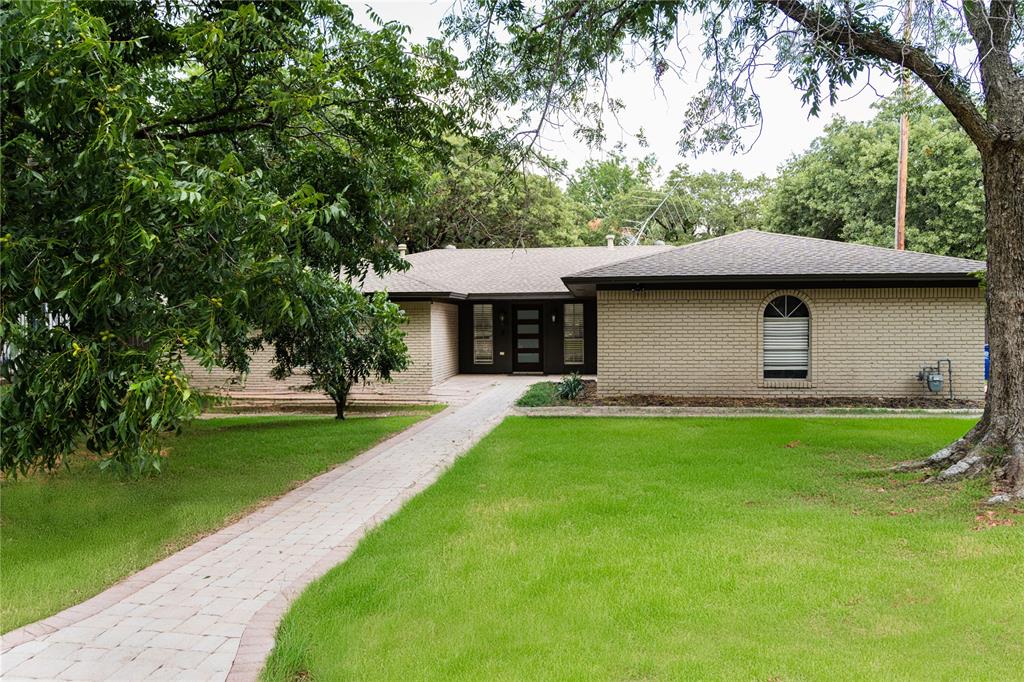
(786, 340)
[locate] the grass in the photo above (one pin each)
(68, 535)
(626, 549)
(353, 410)
(541, 394)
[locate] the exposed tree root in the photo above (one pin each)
(984, 448)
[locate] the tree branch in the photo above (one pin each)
(1003, 15)
(265, 122)
(991, 32)
(939, 78)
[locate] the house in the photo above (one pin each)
(748, 314)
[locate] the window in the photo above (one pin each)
(572, 334)
(786, 338)
(483, 334)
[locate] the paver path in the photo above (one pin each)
(210, 611)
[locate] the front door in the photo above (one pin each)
(528, 340)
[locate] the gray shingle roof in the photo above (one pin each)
(495, 272)
(751, 255)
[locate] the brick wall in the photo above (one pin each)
(863, 342)
(418, 378)
(444, 332)
(258, 379)
(415, 381)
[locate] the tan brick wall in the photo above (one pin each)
(416, 380)
(258, 379)
(864, 342)
(444, 332)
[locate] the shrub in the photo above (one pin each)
(570, 387)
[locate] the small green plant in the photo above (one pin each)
(570, 387)
(541, 394)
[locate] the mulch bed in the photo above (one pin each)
(589, 397)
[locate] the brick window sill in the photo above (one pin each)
(787, 383)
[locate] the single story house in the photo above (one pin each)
(748, 314)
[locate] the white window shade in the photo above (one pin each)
(786, 343)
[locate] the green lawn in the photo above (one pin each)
(67, 536)
(626, 549)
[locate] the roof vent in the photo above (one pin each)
(403, 250)
(659, 242)
(610, 238)
(450, 247)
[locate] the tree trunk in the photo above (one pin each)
(340, 398)
(996, 443)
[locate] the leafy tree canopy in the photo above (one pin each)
(175, 175)
(482, 200)
(600, 185)
(843, 187)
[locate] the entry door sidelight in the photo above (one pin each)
(528, 340)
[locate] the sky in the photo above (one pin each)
(657, 111)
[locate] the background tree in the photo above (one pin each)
(555, 56)
(481, 199)
(684, 207)
(842, 187)
(721, 202)
(601, 187)
(172, 171)
(348, 339)
(729, 201)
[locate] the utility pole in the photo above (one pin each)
(901, 173)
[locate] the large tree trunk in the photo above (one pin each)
(996, 443)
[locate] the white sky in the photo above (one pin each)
(787, 127)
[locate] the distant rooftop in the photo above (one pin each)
(461, 273)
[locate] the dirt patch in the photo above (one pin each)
(994, 519)
(589, 397)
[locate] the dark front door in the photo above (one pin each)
(528, 339)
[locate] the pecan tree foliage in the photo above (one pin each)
(553, 57)
(176, 175)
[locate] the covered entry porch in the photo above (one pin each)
(528, 336)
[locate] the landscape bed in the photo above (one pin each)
(708, 548)
(543, 394)
(70, 534)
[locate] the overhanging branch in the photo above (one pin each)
(938, 77)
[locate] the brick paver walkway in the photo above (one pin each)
(210, 611)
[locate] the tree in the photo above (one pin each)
(348, 339)
(600, 186)
(172, 171)
(480, 200)
(842, 187)
(554, 57)
(722, 202)
(685, 207)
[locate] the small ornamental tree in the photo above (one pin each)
(346, 339)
